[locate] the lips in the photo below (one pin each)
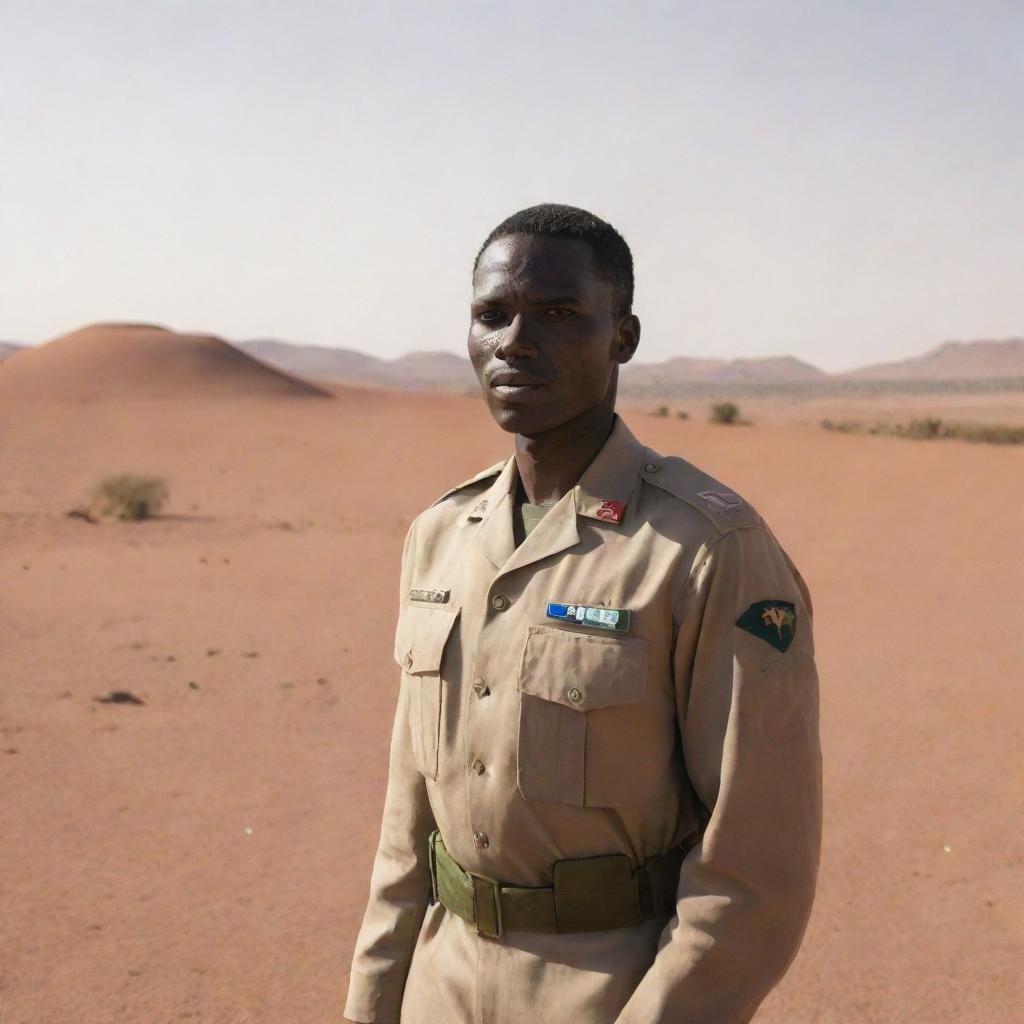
(515, 379)
(514, 385)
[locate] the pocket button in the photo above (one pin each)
(499, 602)
(575, 695)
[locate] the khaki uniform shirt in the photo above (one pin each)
(527, 740)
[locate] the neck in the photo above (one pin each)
(551, 464)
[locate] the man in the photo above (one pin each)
(604, 792)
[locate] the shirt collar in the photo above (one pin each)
(602, 492)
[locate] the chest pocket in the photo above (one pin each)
(420, 641)
(580, 730)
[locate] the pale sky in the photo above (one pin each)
(842, 181)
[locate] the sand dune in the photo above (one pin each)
(111, 361)
(205, 856)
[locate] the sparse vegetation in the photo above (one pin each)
(932, 428)
(725, 412)
(130, 496)
(661, 410)
(682, 414)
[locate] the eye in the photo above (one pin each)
(490, 316)
(559, 313)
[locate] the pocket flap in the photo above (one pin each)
(583, 671)
(421, 636)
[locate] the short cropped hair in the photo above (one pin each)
(612, 258)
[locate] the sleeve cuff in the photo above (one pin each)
(370, 1001)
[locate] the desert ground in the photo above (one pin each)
(204, 857)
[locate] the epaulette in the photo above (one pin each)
(480, 478)
(726, 509)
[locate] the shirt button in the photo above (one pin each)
(480, 688)
(480, 840)
(575, 695)
(650, 468)
(499, 602)
(478, 766)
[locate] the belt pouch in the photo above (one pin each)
(593, 894)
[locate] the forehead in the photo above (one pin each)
(536, 264)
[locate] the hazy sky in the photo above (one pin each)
(842, 180)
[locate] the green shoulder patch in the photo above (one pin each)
(772, 621)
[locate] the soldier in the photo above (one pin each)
(604, 795)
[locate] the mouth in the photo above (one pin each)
(514, 385)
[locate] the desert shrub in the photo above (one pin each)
(925, 429)
(661, 410)
(932, 428)
(981, 433)
(725, 412)
(682, 414)
(130, 496)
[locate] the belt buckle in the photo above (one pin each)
(488, 923)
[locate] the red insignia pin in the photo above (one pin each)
(611, 510)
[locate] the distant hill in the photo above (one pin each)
(140, 361)
(442, 371)
(8, 348)
(954, 360)
(682, 373)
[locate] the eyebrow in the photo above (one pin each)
(534, 300)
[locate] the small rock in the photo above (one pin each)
(321, 681)
(192, 685)
(81, 513)
(211, 651)
(64, 695)
(25, 567)
(11, 750)
(248, 830)
(250, 654)
(202, 558)
(119, 697)
(287, 686)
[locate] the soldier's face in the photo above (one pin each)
(545, 337)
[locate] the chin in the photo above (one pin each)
(521, 419)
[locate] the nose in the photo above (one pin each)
(515, 341)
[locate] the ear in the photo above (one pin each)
(627, 339)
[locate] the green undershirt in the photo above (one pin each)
(525, 516)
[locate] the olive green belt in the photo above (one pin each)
(589, 894)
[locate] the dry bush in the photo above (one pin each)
(933, 428)
(130, 496)
(661, 410)
(725, 412)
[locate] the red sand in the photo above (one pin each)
(131, 888)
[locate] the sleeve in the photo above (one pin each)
(400, 880)
(747, 699)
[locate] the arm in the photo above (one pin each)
(748, 716)
(400, 881)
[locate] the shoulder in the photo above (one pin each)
(473, 486)
(457, 501)
(718, 505)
